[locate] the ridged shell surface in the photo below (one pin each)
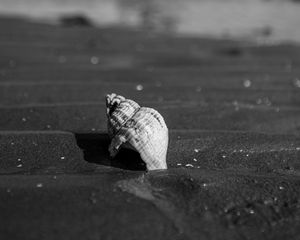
(140, 128)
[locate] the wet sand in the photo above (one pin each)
(232, 109)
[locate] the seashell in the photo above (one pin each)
(139, 128)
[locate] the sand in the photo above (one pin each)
(232, 109)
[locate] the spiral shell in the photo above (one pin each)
(139, 128)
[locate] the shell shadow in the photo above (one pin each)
(95, 150)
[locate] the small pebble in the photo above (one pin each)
(251, 211)
(195, 160)
(19, 166)
(268, 201)
(189, 165)
(297, 82)
(94, 60)
(179, 164)
(196, 150)
(247, 83)
(24, 119)
(139, 87)
(62, 158)
(39, 185)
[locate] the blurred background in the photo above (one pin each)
(261, 20)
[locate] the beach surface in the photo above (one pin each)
(232, 108)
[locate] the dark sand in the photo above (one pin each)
(234, 118)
